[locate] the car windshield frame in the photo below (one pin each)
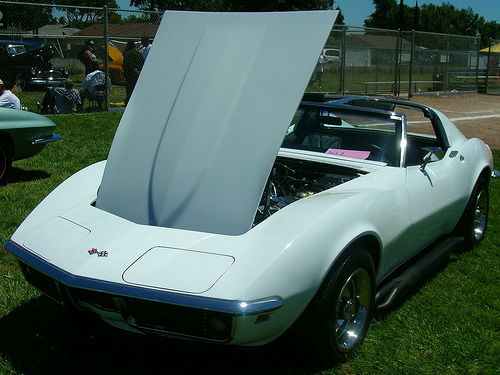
(394, 138)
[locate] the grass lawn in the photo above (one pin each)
(449, 325)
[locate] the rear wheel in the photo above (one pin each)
(344, 308)
(5, 161)
(474, 220)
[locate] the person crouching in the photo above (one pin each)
(61, 100)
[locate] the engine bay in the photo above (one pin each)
(291, 180)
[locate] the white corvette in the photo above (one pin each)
(199, 225)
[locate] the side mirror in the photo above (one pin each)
(428, 157)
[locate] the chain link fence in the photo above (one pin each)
(491, 79)
(401, 64)
(40, 45)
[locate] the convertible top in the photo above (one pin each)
(210, 109)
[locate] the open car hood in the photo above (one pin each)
(199, 136)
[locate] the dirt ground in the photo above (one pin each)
(476, 115)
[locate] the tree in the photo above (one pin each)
(340, 18)
(82, 17)
(416, 17)
(28, 17)
(488, 30)
(277, 5)
(232, 5)
(450, 20)
(384, 15)
(444, 18)
(391, 15)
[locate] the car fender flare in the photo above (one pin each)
(369, 240)
(481, 167)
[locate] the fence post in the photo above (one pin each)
(487, 67)
(477, 41)
(397, 65)
(342, 62)
(410, 73)
(446, 78)
(106, 47)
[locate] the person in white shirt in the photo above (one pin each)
(319, 70)
(8, 99)
(93, 86)
(146, 46)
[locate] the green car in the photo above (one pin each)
(22, 134)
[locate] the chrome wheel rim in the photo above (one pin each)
(352, 309)
(480, 215)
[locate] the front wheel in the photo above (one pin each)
(344, 308)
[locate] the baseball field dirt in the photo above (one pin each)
(476, 115)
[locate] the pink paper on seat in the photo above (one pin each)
(349, 153)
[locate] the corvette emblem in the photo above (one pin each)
(99, 253)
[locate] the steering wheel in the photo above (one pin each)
(376, 152)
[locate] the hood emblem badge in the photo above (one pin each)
(99, 253)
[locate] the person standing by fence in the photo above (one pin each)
(87, 57)
(132, 65)
(146, 46)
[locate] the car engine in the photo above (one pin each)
(291, 180)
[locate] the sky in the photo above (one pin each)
(356, 11)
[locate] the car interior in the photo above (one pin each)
(366, 136)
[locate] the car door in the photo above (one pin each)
(434, 187)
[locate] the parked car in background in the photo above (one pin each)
(331, 55)
(28, 66)
(115, 66)
(22, 134)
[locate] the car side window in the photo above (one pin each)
(421, 137)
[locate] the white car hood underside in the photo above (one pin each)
(199, 136)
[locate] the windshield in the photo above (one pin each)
(16, 49)
(345, 133)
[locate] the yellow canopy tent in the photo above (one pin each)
(494, 48)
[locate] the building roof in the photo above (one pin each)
(128, 30)
(56, 30)
(377, 41)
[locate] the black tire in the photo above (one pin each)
(5, 161)
(344, 309)
(474, 220)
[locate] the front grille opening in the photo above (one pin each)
(148, 316)
(42, 282)
(100, 300)
(160, 318)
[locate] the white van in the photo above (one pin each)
(332, 55)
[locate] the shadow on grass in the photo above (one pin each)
(22, 175)
(42, 337)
